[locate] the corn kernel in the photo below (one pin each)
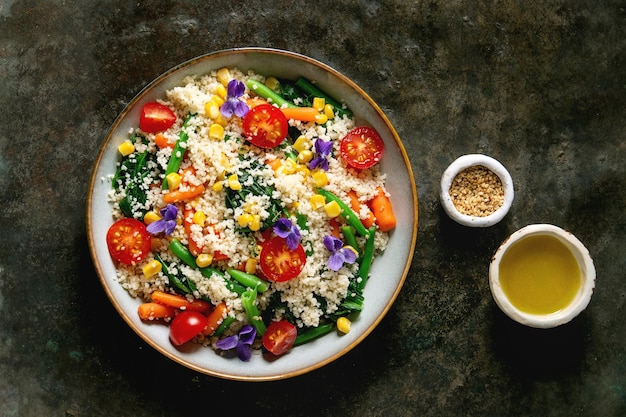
(216, 131)
(251, 265)
(343, 324)
(199, 218)
(203, 260)
(151, 216)
(221, 120)
(126, 148)
(304, 170)
(317, 201)
(305, 156)
(321, 118)
(225, 162)
(173, 180)
(329, 111)
(221, 91)
(319, 103)
(290, 166)
(151, 268)
(302, 144)
(223, 76)
(255, 224)
(233, 183)
(212, 110)
(332, 209)
(320, 178)
(245, 219)
(272, 83)
(217, 186)
(217, 100)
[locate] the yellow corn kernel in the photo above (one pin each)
(272, 83)
(173, 180)
(151, 268)
(245, 219)
(212, 110)
(317, 201)
(255, 224)
(218, 186)
(320, 178)
(203, 260)
(251, 265)
(221, 120)
(302, 144)
(221, 91)
(217, 100)
(151, 216)
(223, 76)
(304, 170)
(319, 103)
(126, 148)
(199, 218)
(216, 131)
(343, 324)
(233, 183)
(290, 166)
(321, 118)
(305, 156)
(329, 111)
(332, 209)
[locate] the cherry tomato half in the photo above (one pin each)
(279, 337)
(128, 241)
(278, 262)
(265, 126)
(156, 117)
(186, 325)
(362, 147)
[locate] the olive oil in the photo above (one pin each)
(539, 275)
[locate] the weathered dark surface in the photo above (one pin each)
(541, 86)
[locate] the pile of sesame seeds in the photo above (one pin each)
(477, 191)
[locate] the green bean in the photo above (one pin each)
(247, 301)
(308, 87)
(173, 278)
(224, 325)
(182, 253)
(368, 256)
(178, 152)
(267, 93)
(351, 217)
(249, 280)
(313, 333)
(348, 235)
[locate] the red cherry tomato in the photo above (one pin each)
(186, 325)
(265, 126)
(279, 263)
(128, 241)
(156, 117)
(279, 337)
(362, 147)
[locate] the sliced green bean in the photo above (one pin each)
(267, 93)
(350, 238)
(249, 280)
(346, 212)
(368, 256)
(310, 89)
(313, 333)
(182, 253)
(247, 301)
(225, 324)
(178, 152)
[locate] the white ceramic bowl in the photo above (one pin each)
(388, 271)
(580, 299)
(462, 163)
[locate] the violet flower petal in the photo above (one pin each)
(240, 108)
(283, 227)
(169, 212)
(335, 261)
(228, 343)
(156, 227)
(349, 256)
(244, 352)
(323, 147)
(247, 334)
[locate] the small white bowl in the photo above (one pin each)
(467, 161)
(580, 299)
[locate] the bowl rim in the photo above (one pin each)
(466, 161)
(94, 178)
(585, 263)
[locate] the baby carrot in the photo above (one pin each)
(180, 302)
(162, 142)
(215, 318)
(194, 247)
(305, 114)
(178, 196)
(153, 311)
(381, 207)
(356, 205)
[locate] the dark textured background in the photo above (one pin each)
(541, 86)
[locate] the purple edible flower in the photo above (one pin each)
(322, 151)
(289, 231)
(233, 104)
(240, 342)
(167, 223)
(340, 254)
